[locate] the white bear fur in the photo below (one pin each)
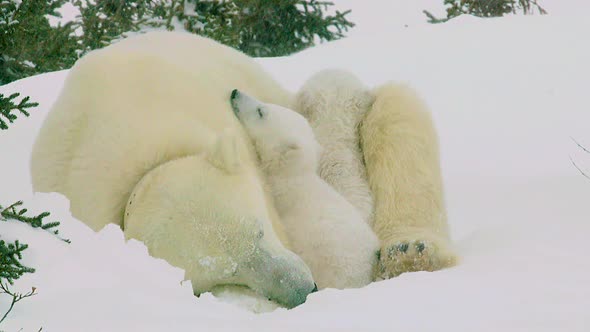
(151, 99)
(400, 146)
(138, 115)
(396, 163)
(335, 102)
(324, 228)
(134, 105)
(228, 243)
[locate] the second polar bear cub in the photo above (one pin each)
(335, 102)
(325, 230)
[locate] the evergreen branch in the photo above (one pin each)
(579, 169)
(7, 106)
(16, 297)
(10, 266)
(586, 175)
(171, 15)
(541, 10)
(11, 213)
(486, 8)
(256, 27)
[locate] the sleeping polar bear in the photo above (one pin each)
(129, 142)
(147, 103)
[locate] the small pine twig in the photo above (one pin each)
(580, 145)
(542, 11)
(11, 267)
(7, 105)
(579, 169)
(574, 163)
(433, 19)
(16, 297)
(15, 212)
(171, 15)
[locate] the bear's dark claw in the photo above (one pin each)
(403, 247)
(420, 246)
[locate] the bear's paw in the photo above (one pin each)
(412, 255)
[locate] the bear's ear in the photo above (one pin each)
(225, 153)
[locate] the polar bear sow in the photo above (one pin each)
(135, 118)
(323, 227)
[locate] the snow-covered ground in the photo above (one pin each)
(507, 96)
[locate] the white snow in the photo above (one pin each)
(68, 12)
(507, 96)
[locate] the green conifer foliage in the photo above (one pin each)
(11, 253)
(104, 21)
(18, 213)
(10, 266)
(487, 8)
(29, 44)
(265, 28)
(7, 106)
(11, 269)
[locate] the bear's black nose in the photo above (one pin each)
(234, 93)
(315, 288)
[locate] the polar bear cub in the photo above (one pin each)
(335, 102)
(326, 231)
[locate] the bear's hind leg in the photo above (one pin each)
(400, 147)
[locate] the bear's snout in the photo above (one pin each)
(234, 94)
(234, 104)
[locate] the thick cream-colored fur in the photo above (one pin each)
(153, 104)
(401, 152)
(324, 229)
(398, 156)
(135, 116)
(335, 102)
(134, 105)
(212, 222)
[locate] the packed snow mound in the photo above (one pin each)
(507, 96)
(97, 279)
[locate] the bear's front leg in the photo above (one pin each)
(400, 147)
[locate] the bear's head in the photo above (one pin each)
(207, 214)
(283, 139)
(334, 94)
